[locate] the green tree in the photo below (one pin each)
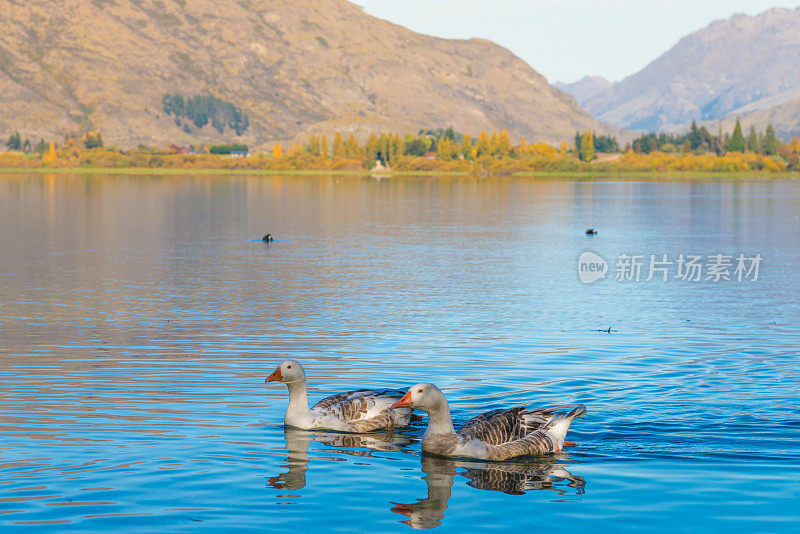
(737, 142)
(753, 144)
(770, 142)
(14, 142)
(586, 152)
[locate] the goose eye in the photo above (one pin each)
(288, 366)
(419, 391)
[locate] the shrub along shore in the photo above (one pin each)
(439, 151)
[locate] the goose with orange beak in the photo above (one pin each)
(496, 435)
(361, 410)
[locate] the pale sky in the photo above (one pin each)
(567, 39)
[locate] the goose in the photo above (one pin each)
(496, 435)
(267, 238)
(362, 410)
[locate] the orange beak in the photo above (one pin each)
(404, 402)
(275, 376)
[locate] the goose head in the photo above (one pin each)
(425, 397)
(288, 371)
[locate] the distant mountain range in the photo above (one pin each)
(740, 66)
(271, 69)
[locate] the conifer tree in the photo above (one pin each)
(770, 142)
(753, 145)
(736, 142)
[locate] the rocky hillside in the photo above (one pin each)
(292, 68)
(584, 89)
(748, 62)
(784, 117)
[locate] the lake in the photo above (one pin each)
(140, 315)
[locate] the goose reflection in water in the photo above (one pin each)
(515, 478)
(298, 442)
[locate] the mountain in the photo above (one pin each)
(584, 89)
(744, 62)
(293, 68)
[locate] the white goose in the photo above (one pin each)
(496, 435)
(362, 410)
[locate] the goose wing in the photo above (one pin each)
(495, 427)
(362, 410)
(502, 426)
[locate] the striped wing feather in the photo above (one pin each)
(496, 427)
(359, 408)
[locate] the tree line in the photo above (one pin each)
(700, 140)
(200, 109)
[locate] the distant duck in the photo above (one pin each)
(591, 231)
(267, 238)
(496, 435)
(362, 410)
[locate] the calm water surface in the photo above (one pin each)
(139, 317)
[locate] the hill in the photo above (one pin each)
(584, 89)
(290, 68)
(743, 62)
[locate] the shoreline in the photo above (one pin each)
(591, 175)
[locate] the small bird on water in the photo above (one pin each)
(267, 238)
(591, 231)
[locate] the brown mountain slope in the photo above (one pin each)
(292, 67)
(710, 73)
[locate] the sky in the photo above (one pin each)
(567, 39)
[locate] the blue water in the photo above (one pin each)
(140, 315)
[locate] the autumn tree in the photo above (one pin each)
(736, 142)
(563, 149)
(277, 151)
(522, 146)
(351, 147)
(494, 144)
(324, 146)
(466, 147)
(586, 152)
(503, 143)
(483, 144)
(338, 146)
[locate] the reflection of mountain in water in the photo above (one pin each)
(298, 441)
(515, 478)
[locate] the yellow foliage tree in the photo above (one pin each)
(324, 146)
(277, 151)
(483, 144)
(522, 146)
(351, 147)
(563, 149)
(338, 146)
(466, 147)
(503, 143)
